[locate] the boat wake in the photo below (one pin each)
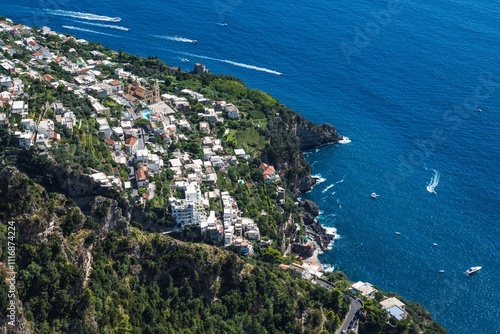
(177, 39)
(344, 140)
(82, 15)
(110, 26)
(327, 188)
(251, 67)
(333, 184)
(433, 183)
(88, 30)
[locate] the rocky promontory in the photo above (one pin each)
(312, 135)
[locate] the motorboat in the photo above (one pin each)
(472, 270)
(185, 60)
(374, 195)
(441, 271)
(398, 233)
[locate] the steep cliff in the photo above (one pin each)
(312, 135)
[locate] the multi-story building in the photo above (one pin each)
(191, 209)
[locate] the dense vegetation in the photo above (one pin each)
(146, 283)
(87, 263)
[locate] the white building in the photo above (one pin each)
(20, 108)
(46, 127)
(68, 120)
(23, 139)
(366, 289)
(394, 307)
(104, 127)
(191, 209)
(3, 119)
(231, 111)
(29, 124)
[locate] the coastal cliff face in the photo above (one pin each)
(310, 212)
(312, 135)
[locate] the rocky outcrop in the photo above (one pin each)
(306, 183)
(313, 135)
(28, 205)
(109, 215)
(314, 230)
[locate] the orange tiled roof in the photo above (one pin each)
(131, 141)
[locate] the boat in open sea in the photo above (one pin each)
(472, 270)
(374, 195)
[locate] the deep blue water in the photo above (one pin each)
(402, 80)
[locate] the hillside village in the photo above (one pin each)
(159, 146)
(147, 114)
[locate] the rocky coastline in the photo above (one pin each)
(310, 136)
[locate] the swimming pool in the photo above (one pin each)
(146, 113)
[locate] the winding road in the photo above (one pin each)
(353, 308)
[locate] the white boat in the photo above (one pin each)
(185, 60)
(398, 233)
(472, 270)
(374, 195)
(434, 244)
(441, 271)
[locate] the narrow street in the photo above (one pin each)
(353, 308)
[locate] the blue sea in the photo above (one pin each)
(414, 85)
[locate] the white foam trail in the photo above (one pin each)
(344, 140)
(83, 16)
(433, 183)
(252, 67)
(177, 39)
(340, 181)
(88, 30)
(332, 185)
(326, 189)
(110, 26)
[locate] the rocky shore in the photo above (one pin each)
(314, 230)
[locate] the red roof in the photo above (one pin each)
(116, 83)
(131, 141)
(110, 141)
(142, 173)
